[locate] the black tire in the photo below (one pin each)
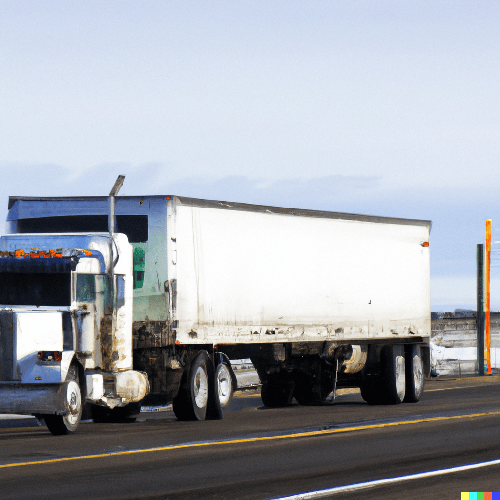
(60, 425)
(388, 387)
(192, 400)
(277, 392)
(306, 394)
(368, 395)
(123, 414)
(303, 390)
(415, 378)
(371, 393)
(394, 381)
(181, 406)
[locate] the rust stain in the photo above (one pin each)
(152, 334)
(106, 337)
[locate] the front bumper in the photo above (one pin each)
(39, 399)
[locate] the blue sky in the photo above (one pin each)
(379, 107)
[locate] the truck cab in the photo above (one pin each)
(65, 320)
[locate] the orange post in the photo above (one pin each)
(487, 332)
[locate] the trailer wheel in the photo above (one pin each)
(302, 390)
(371, 393)
(192, 400)
(224, 384)
(277, 392)
(395, 374)
(305, 391)
(60, 425)
(389, 386)
(414, 374)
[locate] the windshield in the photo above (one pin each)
(134, 226)
(36, 282)
(35, 289)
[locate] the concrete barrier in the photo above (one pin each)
(454, 343)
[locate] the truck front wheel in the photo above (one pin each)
(59, 425)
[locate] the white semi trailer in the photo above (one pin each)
(153, 313)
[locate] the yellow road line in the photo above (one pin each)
(13, 430)
(241, 394)
(453, 388)
(254, 440)
(448, 388)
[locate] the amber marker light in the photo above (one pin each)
(425, 244)
(50, 355)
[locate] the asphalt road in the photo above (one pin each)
(256, 453)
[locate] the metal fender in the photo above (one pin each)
(66, 359)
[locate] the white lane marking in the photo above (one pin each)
(378, 482)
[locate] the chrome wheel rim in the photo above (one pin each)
(418, 373)
(225, 384)
(200, 387)
(400, 377)
(73, 402)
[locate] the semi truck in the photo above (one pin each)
(103, 311)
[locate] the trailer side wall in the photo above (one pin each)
(254, 277)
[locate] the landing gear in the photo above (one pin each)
(59, 425)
